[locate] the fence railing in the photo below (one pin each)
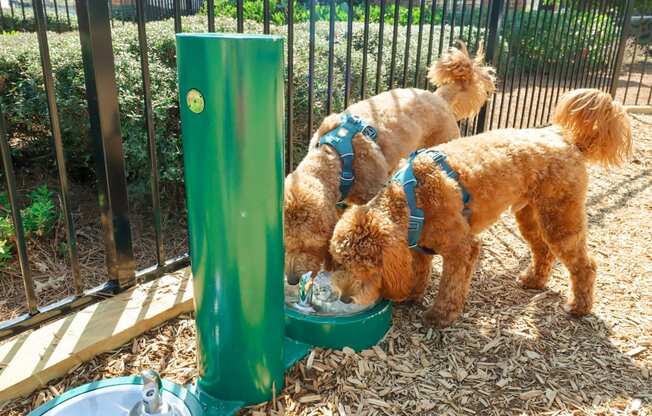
(62, 15)
(337, 52)
(547, 51)
(19, 14)
(633, 82)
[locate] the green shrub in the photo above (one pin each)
(39, 217)
(41, 214)
(544, 47)
(5, 252)
(24, 101)
(253, 10)
(16, 23)
(126, 12)
(6, 237)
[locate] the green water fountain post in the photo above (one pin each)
(232, 118)
(232, 114)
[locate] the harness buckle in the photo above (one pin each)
(342, 132)
(370, 132)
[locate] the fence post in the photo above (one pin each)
(176, 4)
(495, 19)
(102, 96)
(19, 232)
(57, 142)
(621, 48)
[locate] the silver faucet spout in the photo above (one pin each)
(152, 389)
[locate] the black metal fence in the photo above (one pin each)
(125, 10)
(351, 49)
(19, 14)
(634, 80)
(62, 14)
(550, 50)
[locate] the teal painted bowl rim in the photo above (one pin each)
(358, 331)
(180, 392)
(223, 35)
(334, 319)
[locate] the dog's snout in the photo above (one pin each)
(346, 299)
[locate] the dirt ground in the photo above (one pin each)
(513, 351)
(51, 269)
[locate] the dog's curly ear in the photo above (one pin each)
(396, 203)
(397, 270)
(358, 239)
(304, 216)
(296, 204)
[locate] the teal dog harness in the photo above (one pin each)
(405, 177)
(341, 139)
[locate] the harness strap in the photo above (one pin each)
(405, 177)
(341, 139)
(440, 159)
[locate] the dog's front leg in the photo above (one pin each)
(459, 263)
(421, 270)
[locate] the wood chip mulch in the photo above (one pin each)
(513, 351)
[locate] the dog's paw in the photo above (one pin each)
(439, 318)
(577, 308)
(528, 280)
(415, 303)
(415, 299)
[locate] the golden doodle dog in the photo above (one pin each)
(403, 120)
(540, 173)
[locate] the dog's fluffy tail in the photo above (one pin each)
(465, 83)
(596, 124)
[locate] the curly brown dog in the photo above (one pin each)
(540, 173)
(404, 119)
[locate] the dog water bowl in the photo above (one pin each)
(315, 315)
(122, 396)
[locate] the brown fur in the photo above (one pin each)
(405, 119)
(539, 173)
(465, 83)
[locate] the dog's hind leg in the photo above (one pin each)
(563, 222)
(459, 262)
(537, 274)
